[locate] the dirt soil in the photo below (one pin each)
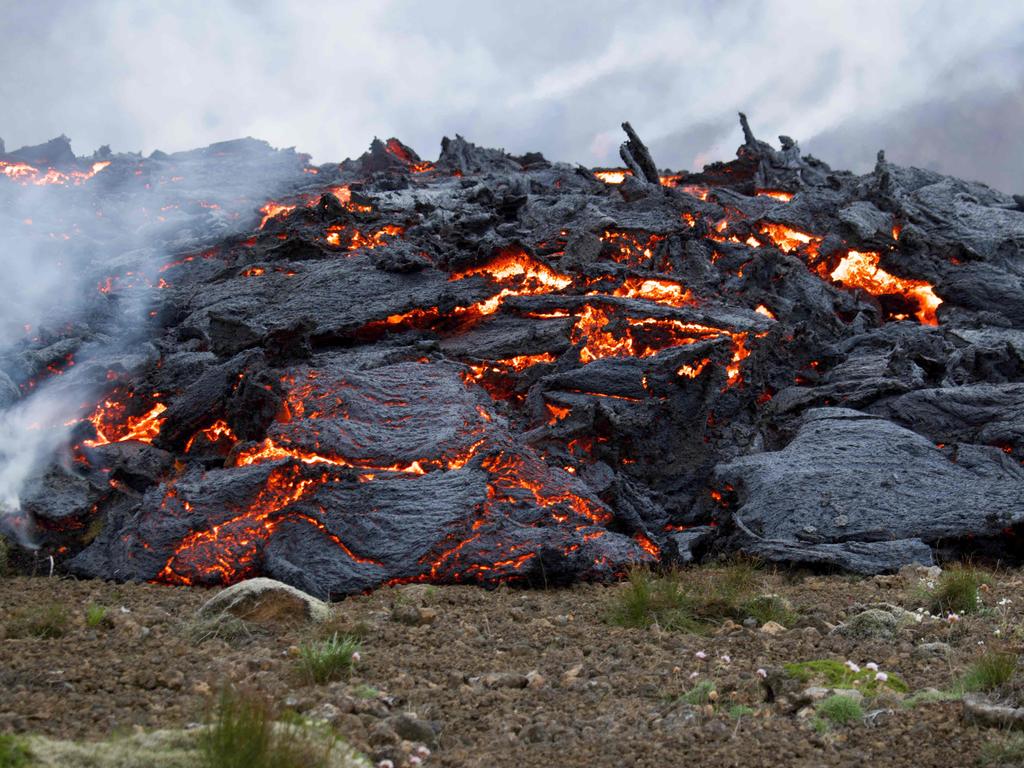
(511, 677)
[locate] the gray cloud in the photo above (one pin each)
(930, 80)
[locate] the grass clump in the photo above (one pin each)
(96, 616)
(699, 695)
(1004, 751)
(13, 752)
(225, 626)
(321, 661)
(738, 711)
(840, 710)
(767, 608)
(648, 599)
(836, 674)
(957, 591)
(366, 692)
(45, 622)
(929, 697)
(992, 670)
(242, 733)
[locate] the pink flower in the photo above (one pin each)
(694, 675)
(414, 760)
(762, 674)
(355, 656)
(881, 676)
(726, 658)
(700, 655)
(953, 618)
(852, 667)
(423, 751)
(872, 666)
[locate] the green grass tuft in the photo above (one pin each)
(699, 695)
(992, 670)
(840, 710)
(45, 622)
(649, 599)
(737, 711)
(929, 697)
(767, 608)
(13, 752)
(242, 734)
(957, 590)
(321, 661)
(1008, 750)
(96, 616)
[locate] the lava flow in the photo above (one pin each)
(492, 368)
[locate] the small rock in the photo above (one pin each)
(571, 675)
(873, 623)
(750, 622)
(326, 712)
(983, 712)
(728, 627)
(534, 680)
(411, 728)
(504, 680)
(411, 615)
(267, 602)
(382, 735)
(814, 693)
(773, 628)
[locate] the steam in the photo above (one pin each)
(82, 266)
(554, 77)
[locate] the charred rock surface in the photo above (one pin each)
(501, 368)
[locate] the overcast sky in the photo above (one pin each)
(937, 84)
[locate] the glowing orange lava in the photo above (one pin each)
(111, 426)
(776, 194)
(860, 270)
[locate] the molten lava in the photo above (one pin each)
(860, 270)
(112, 426)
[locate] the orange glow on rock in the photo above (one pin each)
(112, 427)
(860, 270)
(613, 175)
(775, 194)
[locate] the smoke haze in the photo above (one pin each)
(936, 84)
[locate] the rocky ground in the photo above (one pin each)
(459, 676)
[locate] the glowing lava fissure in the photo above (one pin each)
(26, 174)
(113, 424)
(518, 485)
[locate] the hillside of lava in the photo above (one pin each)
(492, 368)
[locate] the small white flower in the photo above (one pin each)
(872, 666)
(953, 618)
(414, 760)
(997, 631)
(423, 751)
(1005, 601)
(700, 655)
(694, 675)
(355, 656)
(761, 673)
(726, 658)
(852, 667)
(881, 676)
(385, 764)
